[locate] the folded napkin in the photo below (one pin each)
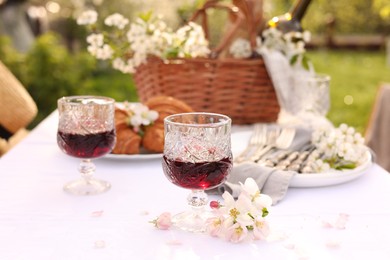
(270, 181)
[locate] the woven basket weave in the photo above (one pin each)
(239, 88)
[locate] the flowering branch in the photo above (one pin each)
(235, 220)
(128, 45)
(291, 44)
(340, 148)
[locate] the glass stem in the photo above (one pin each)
(87, 168)
(197, 199)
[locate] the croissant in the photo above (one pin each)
(166, 105)
(153, 139)
(127, 141)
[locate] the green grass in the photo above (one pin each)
(353, 73)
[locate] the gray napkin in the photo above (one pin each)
(271, 181)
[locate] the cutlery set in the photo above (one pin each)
(270, 147)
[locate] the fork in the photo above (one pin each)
(282, 142)
(257, 139)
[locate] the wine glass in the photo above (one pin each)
(312, 93)
(197, 156)
(86, 130)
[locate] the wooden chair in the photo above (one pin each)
(377, 133)
(17, 110)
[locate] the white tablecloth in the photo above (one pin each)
(38, 220)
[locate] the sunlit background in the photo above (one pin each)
(45, 48)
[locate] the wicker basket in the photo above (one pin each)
(239, 88)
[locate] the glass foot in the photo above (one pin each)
(84, 187)
(191, 221)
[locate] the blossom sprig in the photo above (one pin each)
(234, 220)
(242, 219)
(140, 116)
(291, 44)
(341, 148)
(128, 45)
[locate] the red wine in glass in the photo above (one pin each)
(86, 145)
(197, 157)
(199, 175)
(86, 130)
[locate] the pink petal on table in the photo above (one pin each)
(333, 244)
(341, 221)
(97, 213)
(100, 244)
(289, 245)
(327, 224)
(174, 243)
(144, 213)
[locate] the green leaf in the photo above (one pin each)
(265, 212)
(171, 53)
(250, 228)
(146, 16)
(348, 165)
(294, 59)
(305, 62)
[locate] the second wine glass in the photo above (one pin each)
(86, 130)
(197, 156)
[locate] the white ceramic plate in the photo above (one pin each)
(143, 155)
(306, 180)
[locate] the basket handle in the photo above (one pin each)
(253, 12)
(233, 10)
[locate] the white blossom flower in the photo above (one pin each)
(190, 41)
(251, 190)
(214, 226)
(240, 48)
(104, 52)
(135, 31)
(117, 20)
(92, 49)
(261, 228)
(236, 233)
(96, 39)
(340, 147)
(87, 18)
(142, 115)
(124, 67)
(306, 36)
(321, 166)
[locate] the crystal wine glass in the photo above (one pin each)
(312, 94)
(197, 156)
(86, 130)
